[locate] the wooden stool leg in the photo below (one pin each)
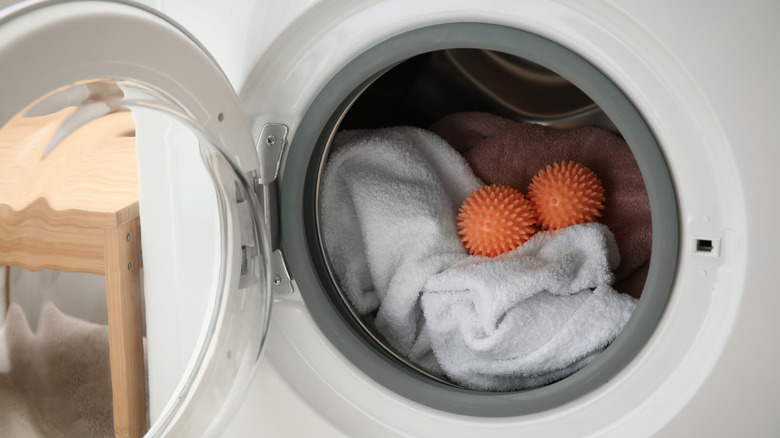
(122, 261)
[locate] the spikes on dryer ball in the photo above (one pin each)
(565, 194)
(494, 220)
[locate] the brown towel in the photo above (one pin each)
(503, 151)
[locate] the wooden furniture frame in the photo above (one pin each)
(75, 209)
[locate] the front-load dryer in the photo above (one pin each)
(246, 230)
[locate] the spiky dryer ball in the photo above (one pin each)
(495, 219)
(566, 194)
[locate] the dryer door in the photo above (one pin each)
(90, 89)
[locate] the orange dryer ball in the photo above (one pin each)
(566, 194)
(495, 219)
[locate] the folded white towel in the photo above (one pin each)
(388, 204)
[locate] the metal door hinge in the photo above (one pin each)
(270, 146)
(281, 283)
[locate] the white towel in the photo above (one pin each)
(528, 317)
(388, 204)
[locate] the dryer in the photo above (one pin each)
(693, 103)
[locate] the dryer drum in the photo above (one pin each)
(432, 85)
(488, 106)
(504, 104)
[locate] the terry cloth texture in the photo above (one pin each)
(388, 203)
(58, 380)
(503, 151)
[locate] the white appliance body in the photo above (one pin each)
(702, 75)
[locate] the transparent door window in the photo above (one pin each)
(112, 178)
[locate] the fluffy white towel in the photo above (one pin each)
(388, 204)
(528, 317)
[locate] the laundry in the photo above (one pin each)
(58, 382)
(503, 151)
(531, 316)
(388, 203)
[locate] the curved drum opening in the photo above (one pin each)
(464, 333)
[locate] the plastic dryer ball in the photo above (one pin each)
(494, 220)
(565, 194)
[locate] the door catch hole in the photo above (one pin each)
(708, 246)
(704, 245)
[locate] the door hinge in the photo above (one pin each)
(270, 147)
(281, 282)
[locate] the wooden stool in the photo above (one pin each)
(76, 209)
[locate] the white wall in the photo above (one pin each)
(237, 35)
(79, 295)
(179, 238)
